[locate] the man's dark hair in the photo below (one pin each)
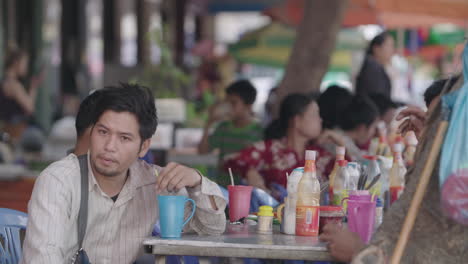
(436, 88)
(244, 89)
(331, 103)
(383, 103)
(132, 98)
(84, 117)
(361, 111)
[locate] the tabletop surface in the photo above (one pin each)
(241, 241)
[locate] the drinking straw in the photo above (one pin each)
(373, 195)
(232, 177)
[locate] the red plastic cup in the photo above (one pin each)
(239, 201)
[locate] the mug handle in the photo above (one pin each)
(193, 211)
(279, 211)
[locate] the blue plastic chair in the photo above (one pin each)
(11, 222)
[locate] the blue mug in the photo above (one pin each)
(171, 214)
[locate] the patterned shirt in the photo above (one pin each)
(273, 159)
(230, 139)
(115, 230)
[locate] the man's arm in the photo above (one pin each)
(48, 217)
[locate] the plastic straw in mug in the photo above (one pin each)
(232, 178)
(373, 195)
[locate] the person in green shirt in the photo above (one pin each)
(236, 125)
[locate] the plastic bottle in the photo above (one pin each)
(353, 170)
(342, 183)
(373, 169)
(293, 181)
(385, 164)
(383, 149)
(308, 199)
(374, 146)
(265, 220)
(411, 142)
(289, 218)
(340, 155)
(397, 174)
(378, 213)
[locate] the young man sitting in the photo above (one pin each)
(122, 204)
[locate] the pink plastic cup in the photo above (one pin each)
(359, 195)
(239, 201)
(362, 195)
(361, 218)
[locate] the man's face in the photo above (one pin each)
(115, 143)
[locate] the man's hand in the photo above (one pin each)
(343, 244)
(175, 177)
(415, 119)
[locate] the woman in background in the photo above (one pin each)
(373, 78)
(16, 103)
(298, 129)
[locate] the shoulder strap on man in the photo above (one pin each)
(83, 213)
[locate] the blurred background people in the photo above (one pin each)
(331, 103)
(373, 78)
(297, 129)
(16, 101)
(237, 127)
(357, 126)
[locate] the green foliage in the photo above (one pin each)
(166, 79)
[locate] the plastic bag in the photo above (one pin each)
(453, 174)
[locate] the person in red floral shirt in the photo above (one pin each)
(298, 128)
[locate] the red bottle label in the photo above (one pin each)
(395, 192)
(307, 220)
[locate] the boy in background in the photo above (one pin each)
(239, 130)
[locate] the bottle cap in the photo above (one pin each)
(378, 203)
(265, 210)
(398, 147)
(343, 163)
(299, 169)
(369, 157)
(398, 139)
(340, 150)
(411, 138)
(310, 155)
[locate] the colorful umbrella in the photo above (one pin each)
(271, 46)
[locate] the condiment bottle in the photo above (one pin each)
(265, 220)
(397, 174)
(340, 155)
(308, 199)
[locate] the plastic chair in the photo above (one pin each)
(11, 222)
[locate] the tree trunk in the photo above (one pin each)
(314, 44)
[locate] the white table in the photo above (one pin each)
(241, 241)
